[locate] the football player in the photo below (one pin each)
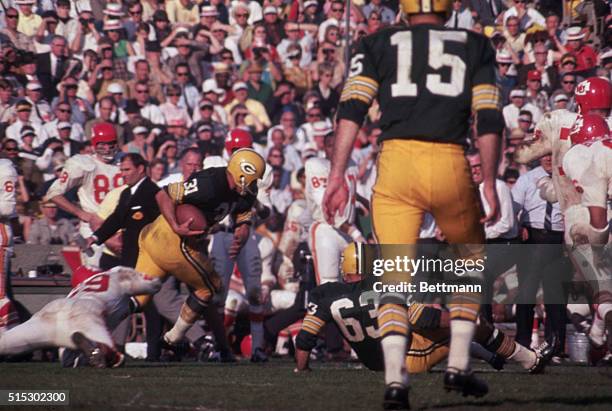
(167, 247)
(95, 175)
(589, 165)
(83, 320)
(327, 240)
(428, 80)
(353, 307)
(551, 136)
(8, 187)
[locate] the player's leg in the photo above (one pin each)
(197, 271)
(8, 314)
(495, 341)
(89, 334)
(249, 264)
(397, 214)
(456, 209)
(427, 350)
(321, 241)
(31, 335)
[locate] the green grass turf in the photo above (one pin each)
(273, 386)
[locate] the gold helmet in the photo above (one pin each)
(246, 167)
(351, 262)
(426, 6)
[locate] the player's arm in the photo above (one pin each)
(358, 93)
(72, 176)
(486, 104)
(243, 219)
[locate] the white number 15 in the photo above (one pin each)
(436, 59)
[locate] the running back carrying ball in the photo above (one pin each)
(185, 212)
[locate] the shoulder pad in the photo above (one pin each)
(82, 161)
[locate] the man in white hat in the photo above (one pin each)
(28, 21)
(586, 58)
(511, 111)
(294, 35)
(41, 111)
(214, 95)
(506, 74)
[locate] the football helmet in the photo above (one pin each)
(104, 133)
(246, 166)
(236, 139)
(593, 93)
(588, 129)
(351, 262)
(426, 6)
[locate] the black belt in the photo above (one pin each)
(545, 231)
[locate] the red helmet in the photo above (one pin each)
(593, 93)
(103, 133)
(236, 139)
(588, 129)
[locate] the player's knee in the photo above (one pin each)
(198, 301)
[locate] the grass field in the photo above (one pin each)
(273, 386)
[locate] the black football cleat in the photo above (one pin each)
(396, 397)
(544, 353)
(464, 382)
(179, 349)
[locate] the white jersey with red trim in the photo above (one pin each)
(317, 172)
(109, 292)
(591, 171)
(94, 177)
(8, 185)
(554, 129)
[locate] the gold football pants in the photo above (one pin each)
(163, 252)
(417, 177)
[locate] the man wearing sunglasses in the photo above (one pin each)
(19, 40)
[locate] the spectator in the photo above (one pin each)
(23, 108)
(526, 16)
(49, 229)
(586, 58)
(514, 36)
(535, 94)
(157, 170)
(182, 11)
(256, 112)
(63, 112)
(568, 86)
(189, 93)
(148, 109)
(142, 73)
(80, 109)
(12, 31)
(549, 74)
(386, 15)
(518, 103)
(257, 89)
(51, 67)
(487, 10)
(168, 153)
(504, 78)
(139, 144)
(171, 110)
(461, 16)
(29, 22)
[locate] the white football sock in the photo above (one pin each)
(523, 356)
(177, 332)
(462, 333)
(394, 349)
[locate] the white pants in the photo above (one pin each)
(8, 315)
(54, 325)
(326, 245)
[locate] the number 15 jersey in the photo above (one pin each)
(428, 80)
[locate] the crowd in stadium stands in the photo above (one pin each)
(179, 74)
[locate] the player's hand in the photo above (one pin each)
(335, 198)
(241, 235)
(184, 231)
(490, 195)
